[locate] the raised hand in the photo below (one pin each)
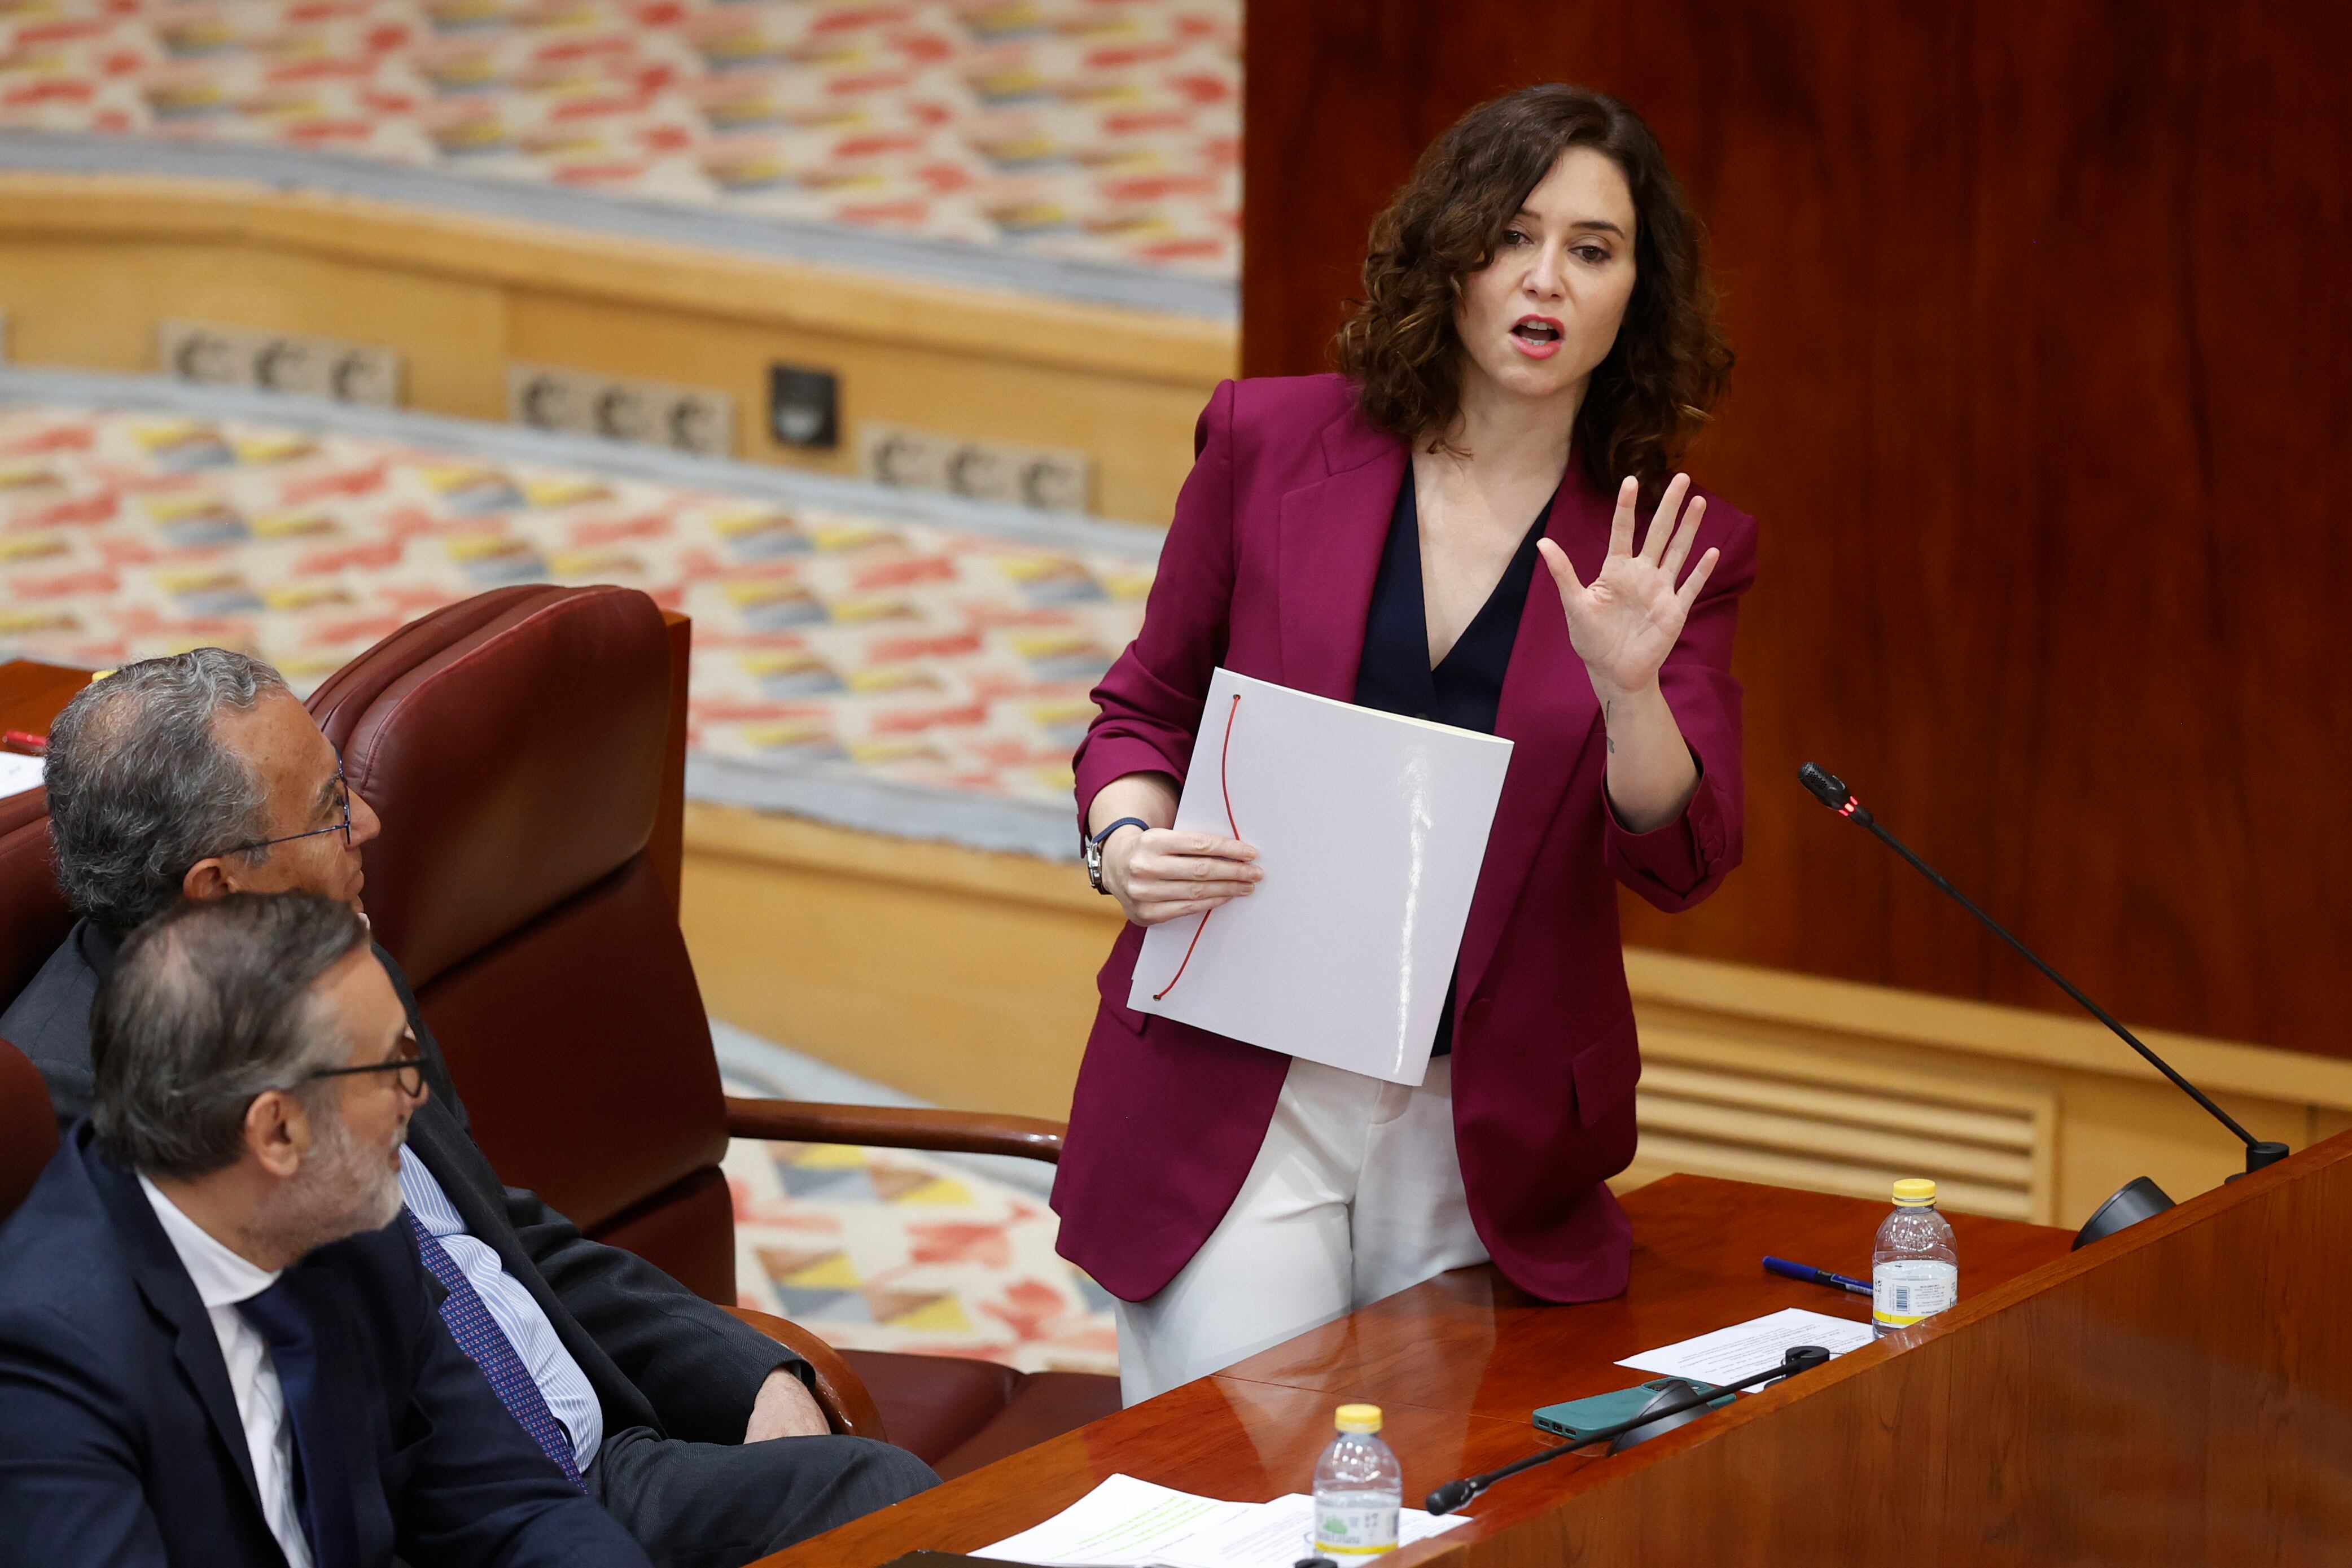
(1624, 622)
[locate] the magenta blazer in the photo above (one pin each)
(1268, 570)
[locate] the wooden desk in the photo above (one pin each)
(2180, 1393)
(1458, 1364)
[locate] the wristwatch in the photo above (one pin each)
(1093, 847)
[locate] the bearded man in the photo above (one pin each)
(217, 1342)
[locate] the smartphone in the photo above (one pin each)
(1578, 1419)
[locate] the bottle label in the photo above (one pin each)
(1905, 1289)
(1346, 1532)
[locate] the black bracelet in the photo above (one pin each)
(1092, 848)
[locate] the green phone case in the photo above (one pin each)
(1577, 1417)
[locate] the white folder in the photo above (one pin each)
(1371, 829)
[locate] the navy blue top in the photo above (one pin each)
(1465, 688)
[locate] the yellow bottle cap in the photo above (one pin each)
(1915, 1192)
(1358, 1419)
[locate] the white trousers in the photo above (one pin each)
(1355, 1195)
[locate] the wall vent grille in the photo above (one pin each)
(1717, 1105)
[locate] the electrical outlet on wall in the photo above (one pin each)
(805, 406)
(1048, 478)
(279, 362)
(640, 413)
(903, 460)
(1057, 482)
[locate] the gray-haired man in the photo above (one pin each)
(200, 775)
(214, 1345)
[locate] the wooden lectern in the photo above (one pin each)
(2180, 1393)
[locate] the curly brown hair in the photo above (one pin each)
(1669, 366)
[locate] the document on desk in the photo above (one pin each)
(1129, 1523)
(1135, 1524)
(1371, 829)
(18, 772)
(1122, 1523)
(1277, 1535)
(1746, 1348)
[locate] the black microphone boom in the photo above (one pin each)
(2141, 1197)
(1688, 1403)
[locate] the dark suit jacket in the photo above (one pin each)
(659, 1356)
(120, 1441)
(1268, 570)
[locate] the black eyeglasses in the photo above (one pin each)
(409, 1065)
(344, 802)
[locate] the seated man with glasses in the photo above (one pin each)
(200, 775)
(215, 1344)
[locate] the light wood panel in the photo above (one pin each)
(1717, 1105)
(968, 979)
(89, 264)
(2039, 312)
(963, 977)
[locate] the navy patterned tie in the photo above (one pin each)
(322, 1477)
(487, 1346)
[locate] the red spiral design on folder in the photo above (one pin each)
(1224, 786)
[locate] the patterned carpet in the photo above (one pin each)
(835, 639)
(887, 1249)
(1100, 131)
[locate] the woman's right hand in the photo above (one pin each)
(1161, 874)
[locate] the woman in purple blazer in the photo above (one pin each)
(1536, 341)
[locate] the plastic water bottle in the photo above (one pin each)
(1915, 1270)
(1358, 1488)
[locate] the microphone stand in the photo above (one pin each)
(1455, 1494)
(2139, 1198)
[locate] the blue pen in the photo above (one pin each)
(1812, 1276)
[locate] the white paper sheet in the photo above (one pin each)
(1371, 829)
(1746, 1348)
(1277, 1535)
(18, 772)
(1123, 1523)
(1129, 1523)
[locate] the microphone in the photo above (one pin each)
(1681, 1401)
(2139, 1198)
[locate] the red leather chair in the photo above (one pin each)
(28, 1132)
(33, 916)
(517, 747)
(522, 748)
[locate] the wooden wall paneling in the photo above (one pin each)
(89, 304)
(1723, 1104)
(89, 265)
(1138, 430)
(2037, 315)
(962, 977)
(966, 979)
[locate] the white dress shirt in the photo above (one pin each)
(223, 1279)
(571, 1397)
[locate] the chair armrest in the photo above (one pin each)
(838, 1392)
(896, 1127)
